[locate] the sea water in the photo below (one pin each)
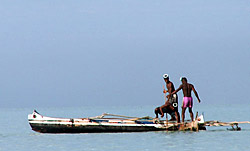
(16, 134)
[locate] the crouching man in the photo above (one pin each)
(168, 109)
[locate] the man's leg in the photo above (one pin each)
(177, 115)
(165, 106)
(171, 111)
(161, 110)
(183, 113)
(191, 113)
(157, 111)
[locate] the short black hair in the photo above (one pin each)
(184, 78)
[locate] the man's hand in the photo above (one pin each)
(164, 91)
(162, 115)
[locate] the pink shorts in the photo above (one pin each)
(187, 102)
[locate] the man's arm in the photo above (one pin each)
(177, 89)
(196, 94)
(169, 86)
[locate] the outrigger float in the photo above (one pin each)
(117, 123)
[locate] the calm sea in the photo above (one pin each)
(16, 134)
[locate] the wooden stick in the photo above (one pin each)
(107, 114)
(217, 123)
(167, 118)
(139, 118)
(165, 97)
(196, 116)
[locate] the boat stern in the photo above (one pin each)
(201, 122)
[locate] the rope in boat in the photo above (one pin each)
(108, 114)
(115, 115)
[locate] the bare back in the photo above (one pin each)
(187, 89)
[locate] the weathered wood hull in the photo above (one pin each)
(55, 128)
(44, 124)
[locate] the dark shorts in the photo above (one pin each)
(168, 109)
(174, 101)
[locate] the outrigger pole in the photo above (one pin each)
(234, 124)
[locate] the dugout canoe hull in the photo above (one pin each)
(45, 124)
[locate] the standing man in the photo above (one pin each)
(172, 99)
(187, 100)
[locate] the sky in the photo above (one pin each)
(64, 53)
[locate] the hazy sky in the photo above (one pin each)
(114, 52)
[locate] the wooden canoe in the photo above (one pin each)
(117, 123)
